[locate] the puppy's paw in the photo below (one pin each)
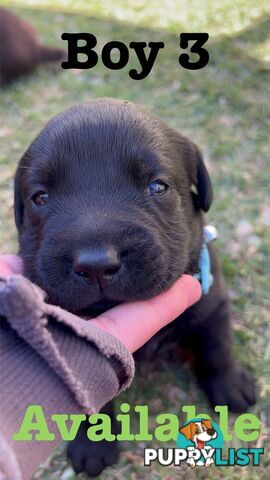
(235, 388)
(92, 457)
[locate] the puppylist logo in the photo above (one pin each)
(200, 443)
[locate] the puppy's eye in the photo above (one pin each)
(40, 198)
(197, 430)
(158, 187)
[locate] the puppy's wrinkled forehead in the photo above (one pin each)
(104, 139)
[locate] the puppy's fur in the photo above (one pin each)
(96, 162)
(20, 49)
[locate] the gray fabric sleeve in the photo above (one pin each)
(52, 358)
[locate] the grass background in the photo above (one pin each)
(225, 109)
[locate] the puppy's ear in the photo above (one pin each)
(186, 431)
(201, 185)
(22, 168)
(18, 200)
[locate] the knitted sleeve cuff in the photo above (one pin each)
(92, 363)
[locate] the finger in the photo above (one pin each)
(10, 264)
(136, 322)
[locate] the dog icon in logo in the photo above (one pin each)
(199, 433)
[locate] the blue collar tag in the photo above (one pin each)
(204, 275)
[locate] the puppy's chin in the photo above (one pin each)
(97, 308)
(99, 302)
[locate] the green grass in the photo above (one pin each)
(225, 109)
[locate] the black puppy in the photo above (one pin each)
(108, 204)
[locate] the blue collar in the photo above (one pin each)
(204, 274)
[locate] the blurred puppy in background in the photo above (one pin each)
(20, 48)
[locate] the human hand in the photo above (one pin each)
(10, 264)
(134, 323)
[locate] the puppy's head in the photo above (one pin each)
(108, 206)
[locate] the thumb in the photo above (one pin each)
(136, 322)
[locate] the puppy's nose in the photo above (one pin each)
(97, 265)
(210, 431)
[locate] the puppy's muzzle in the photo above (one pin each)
(97, 266)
